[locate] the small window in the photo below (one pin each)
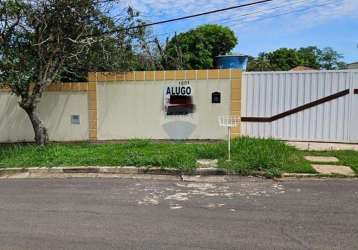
(75, 119)
(216, 97)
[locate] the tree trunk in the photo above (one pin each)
(41, 135)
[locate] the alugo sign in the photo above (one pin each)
(178, 99)
(184, 89)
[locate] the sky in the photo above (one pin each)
(264, 27)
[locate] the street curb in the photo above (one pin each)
(299, 175)
(305, 175)
(110, 170)
(132, 170)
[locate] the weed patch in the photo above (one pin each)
(270, 156)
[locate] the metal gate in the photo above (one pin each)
(303, 106)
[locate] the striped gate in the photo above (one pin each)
(302, 106)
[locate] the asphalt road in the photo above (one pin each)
(151, 214)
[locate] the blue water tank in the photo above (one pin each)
(231, 62)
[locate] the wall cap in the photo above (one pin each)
(205, 74)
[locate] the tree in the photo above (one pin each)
(41, 40)
(309, 57)
(285, 59)
(281, 59)
(197, 48)
(261, 63)
(330, 59)
(122, 51)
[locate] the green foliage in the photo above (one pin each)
(261, 63)
(310, 57)
(117, 52)
(284, 59)
(248, 155)
(197, 48)
(45, 41)
(266, 155)
(330, 59)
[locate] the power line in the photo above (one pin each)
(289, 12)
(199, 14)
(227, 20)
(300, 10)
(294, 4)
(237, 18)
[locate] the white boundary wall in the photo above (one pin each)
(265, 94)
(135, 109)
(55, 109)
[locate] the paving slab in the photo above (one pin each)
(207, 163)
(323, 159)
(334, 169)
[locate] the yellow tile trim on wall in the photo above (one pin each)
(68, 86)
(208, 74)
(92, 108)
(236, 102)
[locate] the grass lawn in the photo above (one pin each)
(345, 157)
(248, 155)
